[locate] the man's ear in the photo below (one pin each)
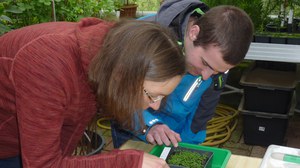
(193, 32)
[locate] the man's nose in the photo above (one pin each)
(206, 73)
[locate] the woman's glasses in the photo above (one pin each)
(152, 98)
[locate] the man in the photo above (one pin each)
(213, 41)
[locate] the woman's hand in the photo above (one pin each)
(151, 161)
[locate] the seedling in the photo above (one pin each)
(189, 158)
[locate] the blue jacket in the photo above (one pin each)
(177, 113)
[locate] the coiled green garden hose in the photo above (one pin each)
(221, 126)
(101, 123)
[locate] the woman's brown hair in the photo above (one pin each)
(133, 51)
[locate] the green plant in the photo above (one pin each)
(253, 8)
(128, 2)
(6, 21)
(38, 11)
(118, 4)
(281, 34)
(292, 3)
(148, 5)
(3, 20)
(188, 159)
(107, 8)
(74, 10)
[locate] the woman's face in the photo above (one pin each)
(155, 91)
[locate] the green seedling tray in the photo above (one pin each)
(220, 156)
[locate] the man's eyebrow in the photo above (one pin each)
(206, 64)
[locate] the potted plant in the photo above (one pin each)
(128, 9)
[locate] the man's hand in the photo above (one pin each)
(162, 134)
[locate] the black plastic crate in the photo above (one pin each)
(268, 90)
(263, 129)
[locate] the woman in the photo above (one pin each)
(55, 76)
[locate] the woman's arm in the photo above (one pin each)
(43, 82)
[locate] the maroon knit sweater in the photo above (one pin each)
(45, 100)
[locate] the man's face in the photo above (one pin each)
(203, 61)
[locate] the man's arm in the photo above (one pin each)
(207, 106)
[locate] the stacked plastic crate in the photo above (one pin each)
(269, 89)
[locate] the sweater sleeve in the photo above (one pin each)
(43, 82)
(117, 158)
